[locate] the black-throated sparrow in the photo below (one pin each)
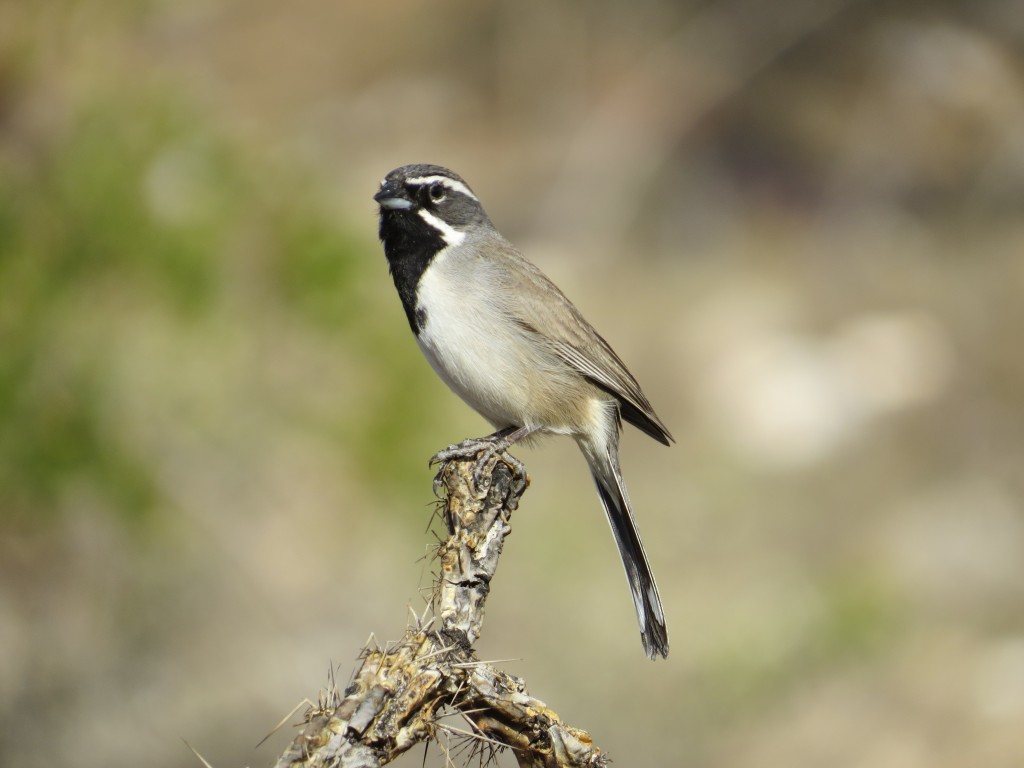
(506, 340)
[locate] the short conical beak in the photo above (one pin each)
(392, 197)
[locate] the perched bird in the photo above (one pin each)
(507, 341)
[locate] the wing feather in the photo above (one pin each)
(544, 311)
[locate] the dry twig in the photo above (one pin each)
(397, 693)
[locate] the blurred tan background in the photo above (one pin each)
(801, 223)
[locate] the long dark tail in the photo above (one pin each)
(604, 466)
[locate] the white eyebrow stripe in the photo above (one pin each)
(452, 184)
(449, 234)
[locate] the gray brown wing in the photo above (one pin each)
(539, 307)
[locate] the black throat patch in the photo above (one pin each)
(410, 244)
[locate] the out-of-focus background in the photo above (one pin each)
(801, 223)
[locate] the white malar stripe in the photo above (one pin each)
(452, 184)
(449, 234)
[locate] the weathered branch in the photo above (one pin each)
(398, 694)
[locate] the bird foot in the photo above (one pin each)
(483, 449)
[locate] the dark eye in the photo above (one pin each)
(437, 192)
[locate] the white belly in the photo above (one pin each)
(476, 351)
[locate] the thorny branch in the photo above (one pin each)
(398, 694)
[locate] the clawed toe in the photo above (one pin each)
(481, 462)
(481, 449)
(467, 449)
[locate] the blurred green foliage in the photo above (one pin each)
(138, 207)
(846, 622)
(75, 226)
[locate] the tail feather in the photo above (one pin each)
(604, 466)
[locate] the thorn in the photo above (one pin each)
(194, 752)
(276, 728)
(483, 663)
